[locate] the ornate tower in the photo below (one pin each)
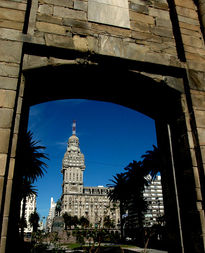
(72, 169)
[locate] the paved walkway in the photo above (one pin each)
(136, 249)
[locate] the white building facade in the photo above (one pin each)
(51, 215)
(29, 209)
(77, 200)
(154, 197)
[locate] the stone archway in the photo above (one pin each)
(156, 95)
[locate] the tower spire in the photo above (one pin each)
(74, 128)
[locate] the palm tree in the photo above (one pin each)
(151, 162)
(137, 204)
(34, 220)
(29, 166)
(30, 158)
(118, 193)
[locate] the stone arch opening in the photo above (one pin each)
(145, 89)
(143, 92)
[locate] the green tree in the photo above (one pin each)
(34, 220)
(84, 222)
(136, 178)
(151, 162)
(118, 193)
(67, 220)
(107, 222)
(30, 157)
(30, 166)
(75, 221)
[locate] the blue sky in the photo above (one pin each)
(111, 136)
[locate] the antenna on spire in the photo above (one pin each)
(74, 128)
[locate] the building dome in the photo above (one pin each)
(73, 141)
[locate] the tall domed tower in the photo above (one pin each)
(72, 169)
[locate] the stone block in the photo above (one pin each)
(200, 118)
(164, 22)
(11, 24)
(139, 26)
(193, 157)
(188, 20)
(14, 145)
(45, 9)
(10, 51)
(187, 4)
(7, 205)
(111, 46)
(141, 2)
(161, 4)
(10, 34)
(159, 13)
(1, 190)
(17, 122)
(110, 30)
(76, 23)
(8, 83)
(191, 33)
(135, 51)
(3, 158)
(146, 37)
(49, 19)
(190, 40)
(195, 57)
(13, 5)
(203, 154)
(80, 43)
(11, 168)
(162, 31)
(9, 70)
(80, 5)
(4, 143)
(190, 13)
(9, 14)
(138, 8)
(92, 44)
(69, 13)
(64, 3)
(192, 49)
(190, 139)
(142, 18)
(195, 65)
(198, 100)
(59, 41)
(7, 98)
(4, 228)
(19, 105)
(109, 12)
(51, 28)
(201, 135)
(5, 117)
(33, 61)
(81, 31)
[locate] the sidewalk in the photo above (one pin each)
(137, 249)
